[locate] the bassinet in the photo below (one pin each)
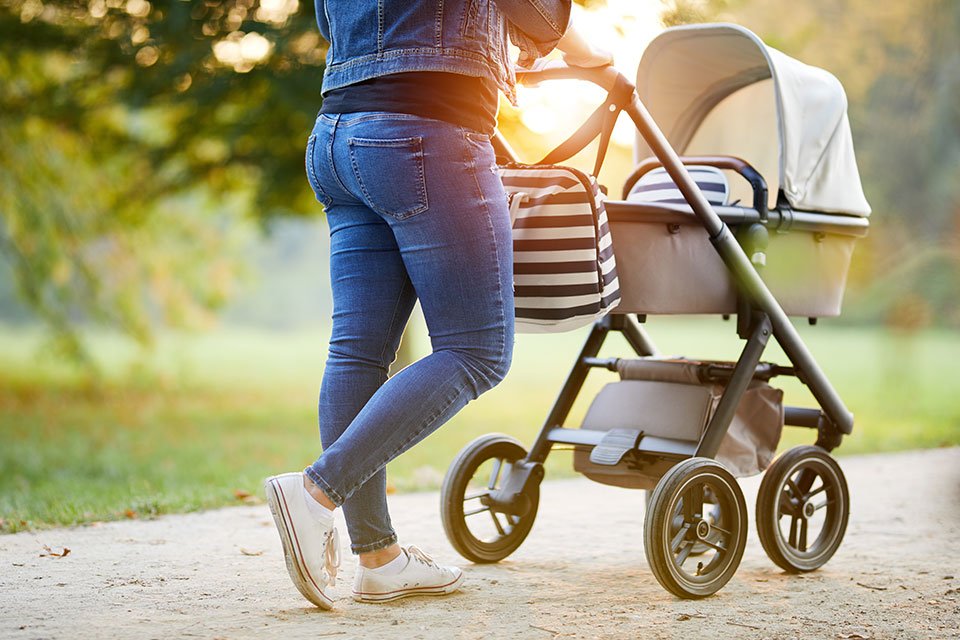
(779, 127)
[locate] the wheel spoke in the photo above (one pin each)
(819, 489)
(474, 512)
(684, 554)
(823, 504)
(803, 535)
(693, 503)
(679, 538)
(496, 523)
(495, 474)
(716, 545)
(793, 531)
(474, 496)
(795, 493)
(722, 531)
(805, 480)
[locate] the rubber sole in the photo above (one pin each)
(290, 555)
(442, 590)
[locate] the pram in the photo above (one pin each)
(688, 241)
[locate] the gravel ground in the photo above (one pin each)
(581, 574)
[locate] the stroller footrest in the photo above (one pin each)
(615, 444)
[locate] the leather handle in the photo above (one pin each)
(620, 94)
(732, 163)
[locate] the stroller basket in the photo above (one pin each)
(679, 397)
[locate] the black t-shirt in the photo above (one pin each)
(467, 101)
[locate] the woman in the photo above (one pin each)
(400, 157)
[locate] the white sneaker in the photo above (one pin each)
(310, 547)
(421, 577)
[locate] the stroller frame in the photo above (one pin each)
(759, 317)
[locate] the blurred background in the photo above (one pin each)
(164, 305)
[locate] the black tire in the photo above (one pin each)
(789, 489)
(509, 531)
(675, 525)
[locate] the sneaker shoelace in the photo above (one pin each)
(332, 557)
(417, 554)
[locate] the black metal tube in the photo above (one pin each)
(802, 417)
(743, 272)
(787, 336)
(735, 388)
(639, 339)
(568, 394)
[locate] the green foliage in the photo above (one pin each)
(185, 428)
(677, 12)
(138, 139)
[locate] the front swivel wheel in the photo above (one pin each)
(697, 505)
(478, 521)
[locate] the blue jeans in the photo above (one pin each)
(416, 211)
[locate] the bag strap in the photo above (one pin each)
(600, 122)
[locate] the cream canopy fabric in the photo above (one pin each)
(688, 73)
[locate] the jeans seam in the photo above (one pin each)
(426, 425)
(333, 169)
(471, 164)
(393, 320)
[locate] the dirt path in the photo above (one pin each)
(581, 573)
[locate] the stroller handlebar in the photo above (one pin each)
(605, 77)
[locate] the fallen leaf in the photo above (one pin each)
(248, 552)
(688, 616)
(240, 494)
(391, 488)
(50, 553)
(130, 513)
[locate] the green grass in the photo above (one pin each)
(205, 416)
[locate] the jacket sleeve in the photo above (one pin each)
(536, 25)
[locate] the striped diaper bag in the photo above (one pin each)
(564, 272)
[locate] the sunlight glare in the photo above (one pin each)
(623, 27)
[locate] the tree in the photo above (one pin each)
(137, 138)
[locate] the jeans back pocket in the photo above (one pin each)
(390, 174)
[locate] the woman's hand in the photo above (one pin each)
(578, 52)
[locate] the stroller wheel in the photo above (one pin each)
(477, 528)
(803, 492)
(711, 513)
(696, 503)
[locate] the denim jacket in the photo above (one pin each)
(371, 38)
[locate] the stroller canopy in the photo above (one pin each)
(717, 89)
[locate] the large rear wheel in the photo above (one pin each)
(802, 509)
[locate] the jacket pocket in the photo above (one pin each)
(390, 174)
(468, 22)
